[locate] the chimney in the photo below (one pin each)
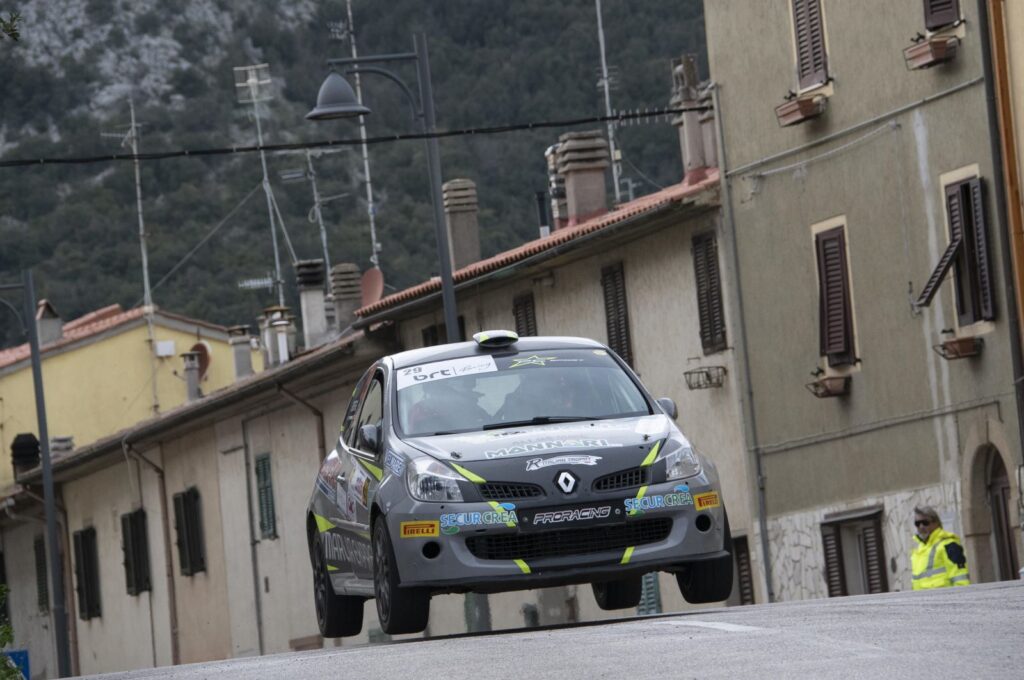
(543, 223)
(24, 453)
(582, 159)
(348, 295)
(191, 375)
(272, 354)
(241, 348)
(707, 126)
(310, 277)
(49, 323)
(556, 189)
(460, 212)
(685, 95)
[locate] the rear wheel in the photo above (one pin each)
(336, 615)
(708, 580)
(621, 593)
(400, 610)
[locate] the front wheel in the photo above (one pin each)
(708, 580)
(336, 615)
(622, 593)
(400, 610)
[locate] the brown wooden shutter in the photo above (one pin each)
(709, 293)
(939, 273)
(835, 317)
(812, 61)
(87, 573)
(874, 556)
(525, 315)
(985, 291)
(616, 311)
(42, 584)
(835, 574)
(744, 573)
(939, 13)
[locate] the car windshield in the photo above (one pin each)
(489, 391)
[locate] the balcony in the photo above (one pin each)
(800, 109)
(931, 52)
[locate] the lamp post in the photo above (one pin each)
(60, 614)
(336, 99)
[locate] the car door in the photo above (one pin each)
(364, 472)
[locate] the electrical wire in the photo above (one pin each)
(298, 146)
(642, 175)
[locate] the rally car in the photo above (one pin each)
(508, 463)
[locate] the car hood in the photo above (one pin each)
(583, 438)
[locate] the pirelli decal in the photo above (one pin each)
(706, 500)
(424, 529)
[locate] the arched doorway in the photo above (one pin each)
(997, 486)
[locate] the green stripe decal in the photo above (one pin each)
(626, 555)
(331, 567)
(322, 523)
(652, 456)
(497, 508)
(523, 566)
(468, 474)
(639, 495)
(372, 469)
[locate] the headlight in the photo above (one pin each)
(681, 463)
(429, 480)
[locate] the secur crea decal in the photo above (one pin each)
(394, 463)
(452, 522)
(553, 444)
(708, 499)
(656, 502)
(541, 463)
(420, 529)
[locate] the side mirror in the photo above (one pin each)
(369, 438)
(669, 407)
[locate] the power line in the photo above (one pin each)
(299, 146)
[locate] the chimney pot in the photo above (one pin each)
(241, 349)
(271, 355)
(48, 323)
(692, 133)
(461, 212)
(556, 188)
(582, 160)
(310, 278)
(191, 375)
(347, 293)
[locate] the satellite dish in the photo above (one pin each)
(372, 285)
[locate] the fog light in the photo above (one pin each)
(431, 549)
(703, 523)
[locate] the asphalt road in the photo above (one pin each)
(973, 632)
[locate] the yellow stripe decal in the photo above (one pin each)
(523, 566)
(468, 474)
(331, 567)
(322, 523)
(497, 508)
(652, 456)
(626, 555)
(639, 495)
(373, 469)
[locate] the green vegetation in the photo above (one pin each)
(9, 26)
(492, 63)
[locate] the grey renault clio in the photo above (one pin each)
(502, 464)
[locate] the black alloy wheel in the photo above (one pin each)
(336, 615)
(621, 593)
(400, 610)
(709, 580)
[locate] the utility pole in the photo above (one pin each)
(319, 217)
(616, 168)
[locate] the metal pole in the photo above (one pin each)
(278, 281)
(60, 617)
(434, 167)
(319, 216)
(608, 105)
(147, 295)
(371, 208)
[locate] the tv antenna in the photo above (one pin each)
(605, 84)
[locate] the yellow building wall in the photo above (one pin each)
(104, 385)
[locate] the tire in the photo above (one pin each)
(399, 610)
(622, 593)
(336, 615)
(708, 580)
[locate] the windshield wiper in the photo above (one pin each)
(538, 420)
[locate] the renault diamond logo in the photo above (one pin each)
(566, 481)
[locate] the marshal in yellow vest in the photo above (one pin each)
(939, 562)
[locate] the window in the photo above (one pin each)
(353, 408)
(265, 497)
(188, 523)
(526, 317)
(809, 30)
(854, 554)
(709, 293)
(373, 409)
(940, 13)
(967, 254)
(87, 573)
(437, 335)
(743, 588)
(616, 311)
(136, 551)
(834, 309)
(42, 584)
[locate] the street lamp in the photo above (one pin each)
(338, 100)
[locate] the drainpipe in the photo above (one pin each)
(172, 598)
(321, 442)
(253, 542)
(750, 421)
(1001, 211)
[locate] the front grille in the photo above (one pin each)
(624, 479)
(503, 491)
(567, 542)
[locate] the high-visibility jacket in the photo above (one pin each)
(938, 562)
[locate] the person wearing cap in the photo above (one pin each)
(938, 559)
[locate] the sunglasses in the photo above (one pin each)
(922, 522)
